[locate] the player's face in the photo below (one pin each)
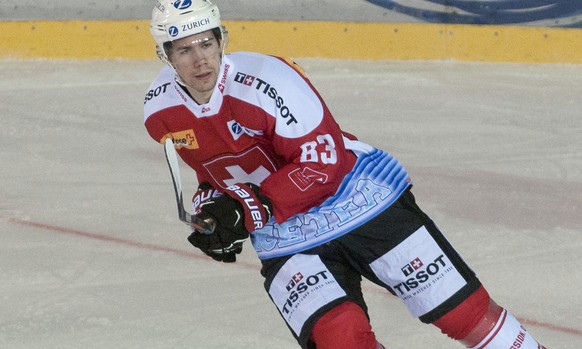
(196, 59)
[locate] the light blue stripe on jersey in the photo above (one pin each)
(376, 181)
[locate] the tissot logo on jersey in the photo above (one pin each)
(412, 266)
(270, 91)
(244, 79)
(295, 279)
(297, 289)
(302, 286)
(425, 277)
(156, 92)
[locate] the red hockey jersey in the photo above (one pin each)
(266, 124)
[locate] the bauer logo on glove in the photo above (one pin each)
(204, 193)
(256, 214)
(240, 210)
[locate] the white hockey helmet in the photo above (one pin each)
(176, 19)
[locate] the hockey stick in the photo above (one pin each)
(203, 226)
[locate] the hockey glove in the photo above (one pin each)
(204, 193)
(239, 211)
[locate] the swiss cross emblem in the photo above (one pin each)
(244, 79)
(416, 263)
(412, 266)
(294, 281)
(251, 166)
(249, 80)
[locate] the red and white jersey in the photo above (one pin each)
(266, 124)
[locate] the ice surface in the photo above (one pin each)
(92, 254)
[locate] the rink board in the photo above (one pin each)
(130, 39)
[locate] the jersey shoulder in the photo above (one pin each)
(160, 93)
(266, 65)
(279, 89)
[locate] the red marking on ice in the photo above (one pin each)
(158, 248)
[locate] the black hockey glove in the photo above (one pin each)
(239, 211)
(204, 193)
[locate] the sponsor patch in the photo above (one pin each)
(302, 286)
(419, 272)
(156, 92)
(235, 129)
(185, 139)
(268, 90)
(182, 4)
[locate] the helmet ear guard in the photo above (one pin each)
(162, 55)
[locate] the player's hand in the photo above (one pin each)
(217, 246)
(239, 211)
(204, 193)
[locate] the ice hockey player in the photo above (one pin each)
(322, 208)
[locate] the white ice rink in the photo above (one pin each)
(92, 254)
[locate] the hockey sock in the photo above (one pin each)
(346, 326)
(460, 321)
(507, 332)
(479, 323)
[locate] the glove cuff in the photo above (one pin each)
(204, 193)
(257, 208)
